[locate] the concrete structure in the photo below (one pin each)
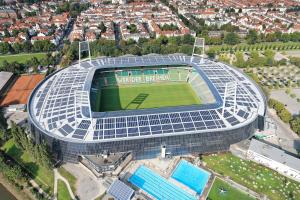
(274, 158)
(60, 112)
(4, 80)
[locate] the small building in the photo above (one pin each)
(274, 158)
(120, 191)
(215, 34)
(5, 78)
(106, 163)
(16, 108)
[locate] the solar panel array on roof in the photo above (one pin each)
(153, 124)
(120, 190)
(62, 103)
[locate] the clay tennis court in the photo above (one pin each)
(20, 91)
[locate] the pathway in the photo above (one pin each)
(57, 177)
(285, 136)
(88, 186)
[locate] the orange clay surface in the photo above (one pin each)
(21, 90)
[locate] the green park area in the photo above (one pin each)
(223, 191)
(254, 176)
(43, 176)
(21, 58)
(62, 191)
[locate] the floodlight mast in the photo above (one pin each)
(229, 99)
(84, 46)
(199, 43)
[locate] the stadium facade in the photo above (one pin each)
(60, 111)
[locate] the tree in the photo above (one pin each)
(211, 53)
(188, 39)
(295, 124)
(240, 62)
(102, 27)
(231, 38)
(285, 115)
(252, 37)
(269, 57)
(18, 48)
(132, 28)
(4, 48)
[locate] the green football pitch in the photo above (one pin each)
(141, 96)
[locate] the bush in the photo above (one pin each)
(285, 115)
(295, 125)
(281, 111)
(288, 91)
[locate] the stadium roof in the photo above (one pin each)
(4, 77)
(60, 105)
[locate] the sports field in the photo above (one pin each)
(223, 191)
(143, 96)
(21, 89)
(21, 58)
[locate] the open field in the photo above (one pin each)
(62, 191)
(20, 91)
(21, 58)
(44, 177)
(147, 96)
(254, 176)
(230, 193)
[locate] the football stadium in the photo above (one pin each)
(148, 105)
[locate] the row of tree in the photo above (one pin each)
(103, 47)
(11, 171)
(213, 50)
(23, 141)
(255, 59)
(26, 47)
(34, 63)
(252, 37)
(285, 115)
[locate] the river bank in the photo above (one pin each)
(14, 193)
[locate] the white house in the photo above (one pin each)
(275, 159)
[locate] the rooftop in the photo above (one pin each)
(60, 106)
(120, 190)
(275, 154)
(4, 78)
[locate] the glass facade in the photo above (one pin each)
(149, 147)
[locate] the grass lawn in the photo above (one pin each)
(72, 180)
(147, 96)
(254, 176)
(62, 191)
(43, 176)
(230, 194)
(21, 58)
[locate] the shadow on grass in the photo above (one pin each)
(14, 152)
(17, 153)
(138, 100)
